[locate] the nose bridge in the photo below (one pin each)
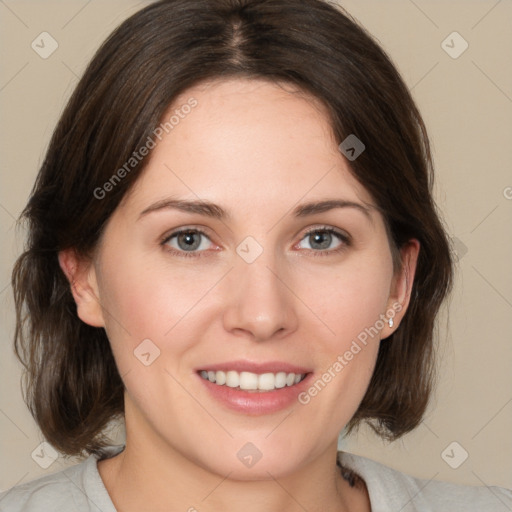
(259, 302)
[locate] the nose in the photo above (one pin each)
(260, 304)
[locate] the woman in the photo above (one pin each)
(233, 246)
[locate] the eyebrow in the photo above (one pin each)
(215, 211)
(315, 207)
(200, 207)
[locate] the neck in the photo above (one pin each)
(152, 475)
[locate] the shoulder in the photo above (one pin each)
(392, 490)
(77, 488)
(62, 490)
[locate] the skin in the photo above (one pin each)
(257, 150)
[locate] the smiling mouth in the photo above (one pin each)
(252, 382)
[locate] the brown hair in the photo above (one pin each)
(72, 386)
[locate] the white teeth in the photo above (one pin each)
(266, 382)
(232, 379)
(280, 380)
(220, 378)
(249, 381)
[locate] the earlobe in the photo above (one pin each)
(82, 280)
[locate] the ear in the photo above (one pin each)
(81, 275)
(401, 286)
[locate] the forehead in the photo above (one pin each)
(250, 142)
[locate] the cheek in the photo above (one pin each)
(350, 299)
(164, 302)
(141, 302)
(349, 304)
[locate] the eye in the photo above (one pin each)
(321, 240)
(192, 241)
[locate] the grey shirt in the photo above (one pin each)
(80, 488)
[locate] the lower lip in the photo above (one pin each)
(253, 402)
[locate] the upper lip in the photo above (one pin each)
(255, 367)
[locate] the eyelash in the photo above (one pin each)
(342, 237)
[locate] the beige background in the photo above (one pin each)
(467, 105)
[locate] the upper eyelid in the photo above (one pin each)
(173, 232)
(338, 231)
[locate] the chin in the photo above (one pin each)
(249, 464)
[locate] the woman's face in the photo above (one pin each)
(264, 283)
